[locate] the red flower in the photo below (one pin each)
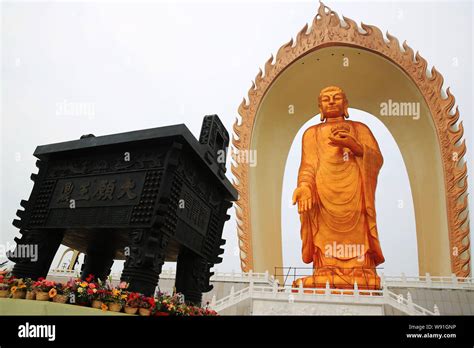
(90, 292)
(92, 285)
(40, 279)
(89, 278)
(133, 296)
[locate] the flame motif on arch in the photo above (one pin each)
(328, 29)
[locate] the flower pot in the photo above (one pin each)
(96, 304)
(130, 310)
(31, 295)
(60, 298)
(115, 307)
(145, 312)
(4, 293)
(19, 294)
(42, 296)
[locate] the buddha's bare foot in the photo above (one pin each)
(307, 282)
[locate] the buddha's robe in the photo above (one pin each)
(343, 194)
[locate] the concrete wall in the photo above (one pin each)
(269, 307)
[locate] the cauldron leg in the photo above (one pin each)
(146, 255)
(191, 272)
(98, 262)
(100, 254)
(34, 252)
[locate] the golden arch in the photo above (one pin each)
(74, 258)
(379, 69)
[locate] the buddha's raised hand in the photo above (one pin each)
(344, 139)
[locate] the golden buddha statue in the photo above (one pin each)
(337, 178)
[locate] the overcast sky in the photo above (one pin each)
(129, 66)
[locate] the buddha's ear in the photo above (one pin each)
(322, 115)
(346, 110)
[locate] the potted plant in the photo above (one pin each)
(18, 289)
(90, 292)
(81, 292)
(162, 305)
(30, 292)
(101, 293)
(44, 289)
(6, 279)
(4, 290)
(170, 305)
(61, 292)
(96, 294)
(115, 299)
(145, 305)
(161, 308)
(206, 311)
(132, 302)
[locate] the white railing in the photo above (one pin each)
(428, 281)
(407, 305)
(353, 296)
(231, 299)
(64, 272)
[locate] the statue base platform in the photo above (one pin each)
(339, 281)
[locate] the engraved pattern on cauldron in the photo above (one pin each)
(40, 208)
(143, 212)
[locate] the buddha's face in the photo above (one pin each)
(332, 103)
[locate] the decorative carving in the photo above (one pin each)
(326, 30)
(104, 190)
